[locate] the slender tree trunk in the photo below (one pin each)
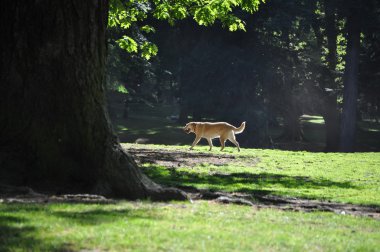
(331, 113)
(331, 118)
(348, 126)
(290, 108)
(292, 127)
(54, 128)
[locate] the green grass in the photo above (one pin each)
(201, 226)
(312, 119)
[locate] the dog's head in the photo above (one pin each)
(190, 127)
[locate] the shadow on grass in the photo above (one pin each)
(98, 216)
(20, 232)
(242, 182)
(368, 136)
(16, 234)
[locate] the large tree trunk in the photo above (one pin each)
(348, 126)
(54, 129)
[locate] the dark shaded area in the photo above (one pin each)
(96, 217)
(14, 237)
(55, 133)
(154, 125)
(288, 63)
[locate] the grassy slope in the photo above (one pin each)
(353, 178)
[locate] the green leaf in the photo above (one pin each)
(127, 43)
(122, 89)
(148, 29)
(148, 50)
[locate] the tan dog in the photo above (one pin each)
(210, 130)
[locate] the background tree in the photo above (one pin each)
(369, 77)
(330, 92)
(347, 138)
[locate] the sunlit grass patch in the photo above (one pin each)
(312, 119)
(370, 126)
(121, 128)
(342, 177)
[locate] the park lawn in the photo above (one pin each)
(179, 226)
(211, 226)
(341, 177)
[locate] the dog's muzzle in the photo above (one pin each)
(187, 130)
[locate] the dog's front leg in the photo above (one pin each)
(196, 140)
(222, 143)
(209, 143)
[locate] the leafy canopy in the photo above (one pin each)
(128, 14)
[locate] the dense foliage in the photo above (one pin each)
(287, 59)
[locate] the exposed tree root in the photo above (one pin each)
(10, 194)
(284, 203)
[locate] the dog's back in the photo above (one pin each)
(217, 129)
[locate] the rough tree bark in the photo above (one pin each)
(54, 128)
(348, 124)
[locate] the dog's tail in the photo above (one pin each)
(240, 129)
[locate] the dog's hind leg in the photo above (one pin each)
(196, 140)
(233, 140)
(209, 143)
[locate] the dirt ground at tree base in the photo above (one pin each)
(178, 158)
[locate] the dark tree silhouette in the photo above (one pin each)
(54, 129)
